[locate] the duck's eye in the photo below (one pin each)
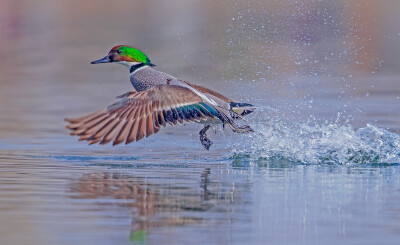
(119, 51)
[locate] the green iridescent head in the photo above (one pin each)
(125, 55)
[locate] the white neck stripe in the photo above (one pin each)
(140, 68)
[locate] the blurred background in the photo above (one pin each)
(258, 39)
(288, 49)
(298, 61)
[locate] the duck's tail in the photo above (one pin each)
(242, 109)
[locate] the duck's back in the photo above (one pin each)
(147, 77)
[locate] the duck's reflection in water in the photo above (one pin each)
(166, 201)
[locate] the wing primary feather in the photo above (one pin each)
(91, 123)
(110, 135)
(141, 132)
(156, 130)
(132, 113)
(85, 118)
(78, 131)
(132, 132)
(156, 120)
(85, 137)
(123, 133)
(95, 128)
(123, 111)
(150, 125)
(142, 111)
(106, 128)
(124, 114)
(94, 141)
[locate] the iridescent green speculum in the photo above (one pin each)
(135, 54)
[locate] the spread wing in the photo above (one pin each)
(141, 114)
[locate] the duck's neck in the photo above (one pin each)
(136, 67)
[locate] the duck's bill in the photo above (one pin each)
(102, 60)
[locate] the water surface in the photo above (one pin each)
(322, 166)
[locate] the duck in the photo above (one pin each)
(157, 100)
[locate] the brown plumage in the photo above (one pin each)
(140, 114)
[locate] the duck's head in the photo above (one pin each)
(125, 55)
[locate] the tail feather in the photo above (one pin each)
(242, 108)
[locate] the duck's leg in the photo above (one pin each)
(206, 142)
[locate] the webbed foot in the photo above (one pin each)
(206, 142)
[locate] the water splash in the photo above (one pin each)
(326, 143)
(278, 42)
